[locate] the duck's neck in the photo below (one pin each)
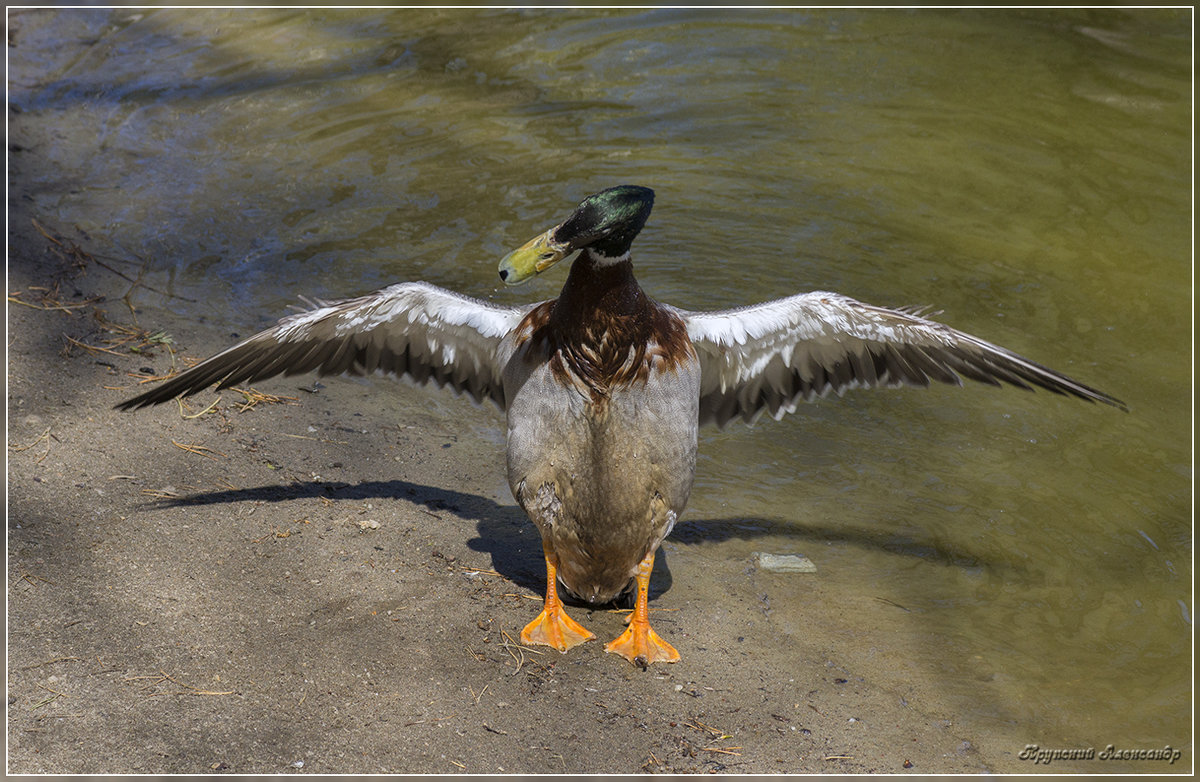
(597, 290)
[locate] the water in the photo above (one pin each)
(1027, 172)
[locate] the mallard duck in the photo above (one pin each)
(605, 388)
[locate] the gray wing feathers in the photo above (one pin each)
(770, 356)
(410, 329)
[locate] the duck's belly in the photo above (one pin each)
(604, 481)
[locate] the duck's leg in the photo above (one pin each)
(639, 644)
(553, 627)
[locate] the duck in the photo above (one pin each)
(604, 389)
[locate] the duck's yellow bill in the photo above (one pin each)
(531, 259)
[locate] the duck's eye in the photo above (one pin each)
(546, 256)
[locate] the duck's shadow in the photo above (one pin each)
(512, 542)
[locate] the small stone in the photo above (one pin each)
(784, 563)
(367, 524)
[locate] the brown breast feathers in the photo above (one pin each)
(603, 333)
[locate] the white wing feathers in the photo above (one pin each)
(769, 356)
(765, 357)
(411, 329)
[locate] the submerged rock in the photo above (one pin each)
(784, 563)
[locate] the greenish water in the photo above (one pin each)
(1026, 172)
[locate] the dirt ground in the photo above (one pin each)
(331, 584)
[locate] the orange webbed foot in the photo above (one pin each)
(640, 645)
(554, 628)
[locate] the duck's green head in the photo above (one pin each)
(605, 224)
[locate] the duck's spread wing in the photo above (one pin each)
(768, 357)
(411, 329)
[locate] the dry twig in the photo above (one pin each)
(50, 304)
(480, 571)
(45, 435)
(29, 577)
(90, 348)
(206, 410)
(161, 494)
(700, 726)
(50, 662)
(255, 397)
(199, 450)
(163, 676)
